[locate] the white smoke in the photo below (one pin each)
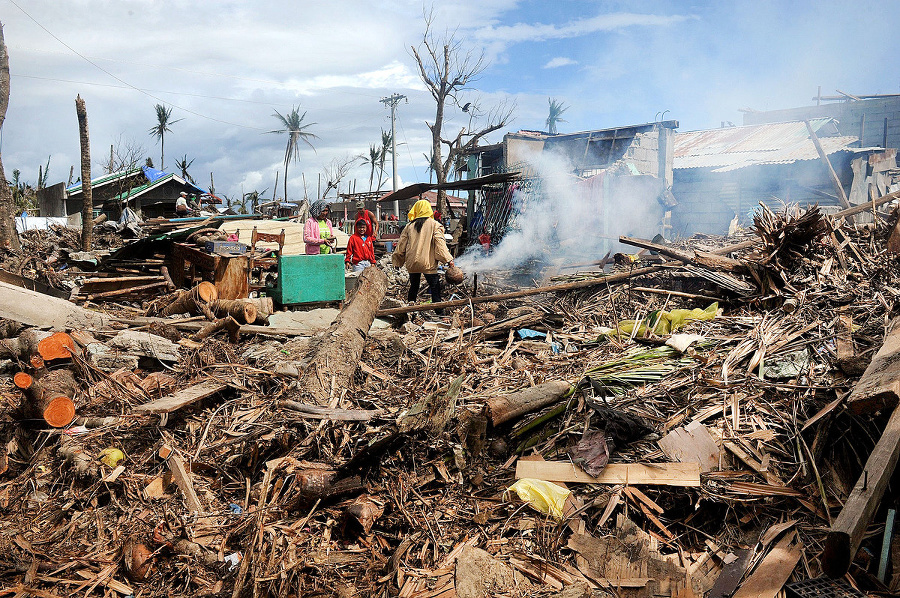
(567, 220)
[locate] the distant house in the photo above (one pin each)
(147, 191)
(723, 174)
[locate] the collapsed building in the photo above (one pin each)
(149, 192)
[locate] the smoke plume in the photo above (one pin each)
(563, 220)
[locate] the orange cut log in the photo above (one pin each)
(50, 398)
(58, 345)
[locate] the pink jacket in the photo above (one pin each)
(311, 235)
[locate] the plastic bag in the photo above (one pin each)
(546, 497)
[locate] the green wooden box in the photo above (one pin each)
(309, 279)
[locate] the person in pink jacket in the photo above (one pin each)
(317, 234)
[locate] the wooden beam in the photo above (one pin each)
(879, 386)
(182, 477)
(660, 474)
(182, 398)
(848, 530)
(842, 196)
(864, 207)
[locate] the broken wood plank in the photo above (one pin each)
(849, 528)
(691, 444)
(182, 478)
(182, 398)
(660, 474)
(879, 386)
(773, 572)
(317, 412)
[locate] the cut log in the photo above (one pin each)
(264, 308)
(50, 398)
(503, 408)
(335, 353)
(228, 323)
(57, 346)
(879, 386)
(242, 310)
(848, 529)
(194, 301)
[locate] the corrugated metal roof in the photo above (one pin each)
(738, 147)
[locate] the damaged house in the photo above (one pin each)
(149, 192)
(722, 175)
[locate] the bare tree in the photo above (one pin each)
(125, 154)
(87, 206)
(8, 236)
(335, 171)
(447, 68)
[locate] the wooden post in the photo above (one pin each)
(842, 197)
(848, 530)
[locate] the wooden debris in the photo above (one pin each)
(195, 301)
(182, 398)
(50, 398)
(879, 387)
(662, 474)
(242, 310)
(692, 444)
(335, 353)
(503, 408)
(848, 529)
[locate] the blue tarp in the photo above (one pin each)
(154, 175)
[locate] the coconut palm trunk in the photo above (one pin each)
(8, 236)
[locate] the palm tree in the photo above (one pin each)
(386, 145)
(183, 166)
(293, 125)
(372, 161)
(555, 116)
(159, 130)
(430, 158)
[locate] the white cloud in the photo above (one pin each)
(525, 32)
(558, 62)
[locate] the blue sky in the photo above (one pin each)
(226, 66)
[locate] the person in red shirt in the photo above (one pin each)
(360, 248)
(363, 214)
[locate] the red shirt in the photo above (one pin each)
(369, 219)
(359, 249)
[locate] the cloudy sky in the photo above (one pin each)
(225, 66)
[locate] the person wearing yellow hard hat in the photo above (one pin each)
(420, 249)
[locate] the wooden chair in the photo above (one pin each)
(256, 259)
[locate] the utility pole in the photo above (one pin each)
(392, 101)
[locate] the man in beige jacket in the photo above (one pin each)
(420, 248)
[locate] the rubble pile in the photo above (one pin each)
(712, 419)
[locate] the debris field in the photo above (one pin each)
(714, 417)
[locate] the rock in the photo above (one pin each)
(479, 575)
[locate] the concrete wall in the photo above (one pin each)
(850, 118)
